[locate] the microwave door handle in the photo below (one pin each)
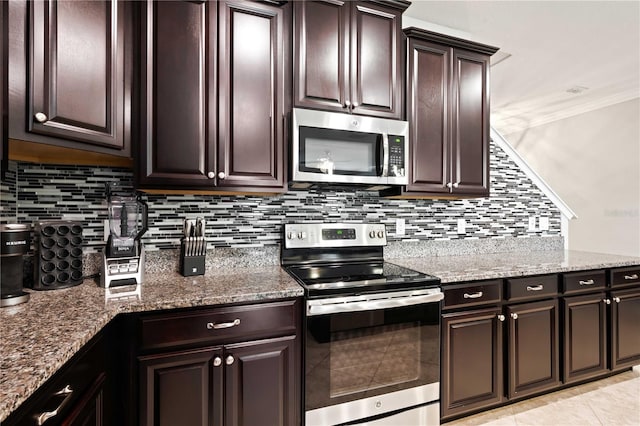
(385, 154)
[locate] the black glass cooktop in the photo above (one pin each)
(358, 277)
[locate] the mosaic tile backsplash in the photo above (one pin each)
(34, 192)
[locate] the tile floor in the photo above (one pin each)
(613, 401)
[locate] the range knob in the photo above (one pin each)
(290, 235)
(302, 235)
(372, 234)
(380, 234)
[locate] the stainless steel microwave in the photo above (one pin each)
(330, 147)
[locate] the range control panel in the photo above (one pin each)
(311, 235)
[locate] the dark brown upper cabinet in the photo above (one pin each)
(448, 114)
(73, 87)
(213, 95)
(349, 56)
(4, 86)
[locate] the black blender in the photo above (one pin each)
(123, 262)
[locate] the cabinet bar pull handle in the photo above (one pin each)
(607, 301)
(587, 282)
(43, 417)
(475, 295)
(616, 299)
(501, 317)
(631, 277)
(514, 316)
(535, 287)
(219, 325)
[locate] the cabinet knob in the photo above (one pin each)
(221, 175)
(449, 185)
(607, 301)
(217, 361)
(457, 184)
(354, 105)
(229, 360)
(211, 175)
(514, 316)
(41, 117)
(616, 299)
(347, 104)
(501, 317)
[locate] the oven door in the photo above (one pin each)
(368, 355)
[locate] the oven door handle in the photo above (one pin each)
(334, 306)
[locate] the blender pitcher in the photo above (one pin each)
(127, 222)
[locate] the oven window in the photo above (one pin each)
(340, 152)
(374, 357)
(355, 355)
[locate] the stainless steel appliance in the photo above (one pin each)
(372, 345)
(330, 147)
(15, 240)
(123, 255)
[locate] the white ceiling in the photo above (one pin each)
(554, 46)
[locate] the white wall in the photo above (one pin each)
(592, 161)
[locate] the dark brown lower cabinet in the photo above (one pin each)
(91, 409)
(585, 336)
(625, 328)
(472, 370)
(242, 384)
(532, 348)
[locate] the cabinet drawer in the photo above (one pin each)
(537, 287)
(580, 282)
(220, 325)
(472, 294)
(620, 277)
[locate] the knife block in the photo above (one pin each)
(191, 265)
(57, 261)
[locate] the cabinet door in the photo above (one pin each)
(377, 69)
(252, 95)
(585, 336)
(532, 361)
(321, 49)
(470, 126)
(262, 383)
(427, 102)
(625, 328)
(79, 82)
(178, 94)
(471, 361)
(4, 87)
(182, 388)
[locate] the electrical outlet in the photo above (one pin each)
(399, 226)
(544, 223)
(532, 223)
(462, 226)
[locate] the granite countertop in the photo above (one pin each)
(453, 269)
(39, 336)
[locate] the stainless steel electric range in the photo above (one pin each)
(372, 345)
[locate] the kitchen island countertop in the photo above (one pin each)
(39, 336)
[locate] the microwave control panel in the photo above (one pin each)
(396, 155)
